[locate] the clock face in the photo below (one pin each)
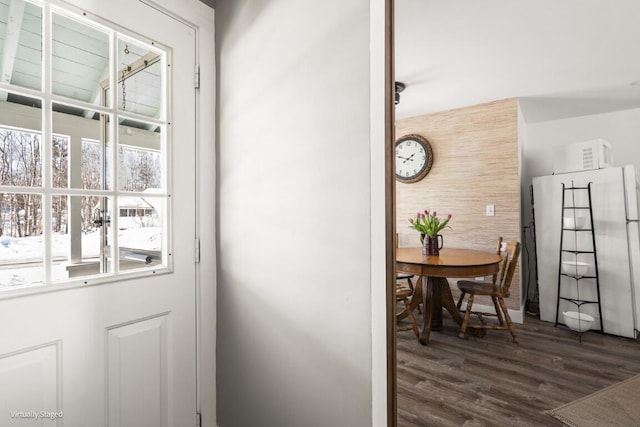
(414, 158)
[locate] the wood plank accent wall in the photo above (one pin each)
(475, 164)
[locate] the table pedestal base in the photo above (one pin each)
(435, 294)
(436, 290)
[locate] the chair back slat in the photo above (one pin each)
(508, 267)
(499, 252)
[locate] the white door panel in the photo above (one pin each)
(137, 372)
(34, 374)
(121, 353)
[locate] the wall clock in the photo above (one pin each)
(414, 158)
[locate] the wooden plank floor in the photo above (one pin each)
(491, 381)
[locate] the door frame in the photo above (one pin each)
(383, 345)
(390, 213)
(201, 18)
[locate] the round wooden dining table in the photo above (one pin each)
(434, 292)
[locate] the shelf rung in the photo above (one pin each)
(575, 188)
(577, 252)
(578, 301)
(578, 277)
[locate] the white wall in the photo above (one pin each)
(294, 199)
(620, 128)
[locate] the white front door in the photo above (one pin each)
(121, 352)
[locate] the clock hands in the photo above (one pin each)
(406, 159)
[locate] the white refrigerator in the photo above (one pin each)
(614, 201)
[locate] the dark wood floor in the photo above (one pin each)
(491, 381)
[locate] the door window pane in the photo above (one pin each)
(21, 44)
(140, 77)
(84, 130)
(140, 232)
(20, 158)
(139, 154)
(84, 236)
(19, 112)
(80, 60)
(21, 239)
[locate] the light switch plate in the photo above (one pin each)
(491, 210)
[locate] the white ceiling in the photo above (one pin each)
(569, 56)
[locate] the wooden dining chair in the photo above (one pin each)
(402, 295)
(408, 278)
(403, 276)
(494, 278)
(497, 290)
